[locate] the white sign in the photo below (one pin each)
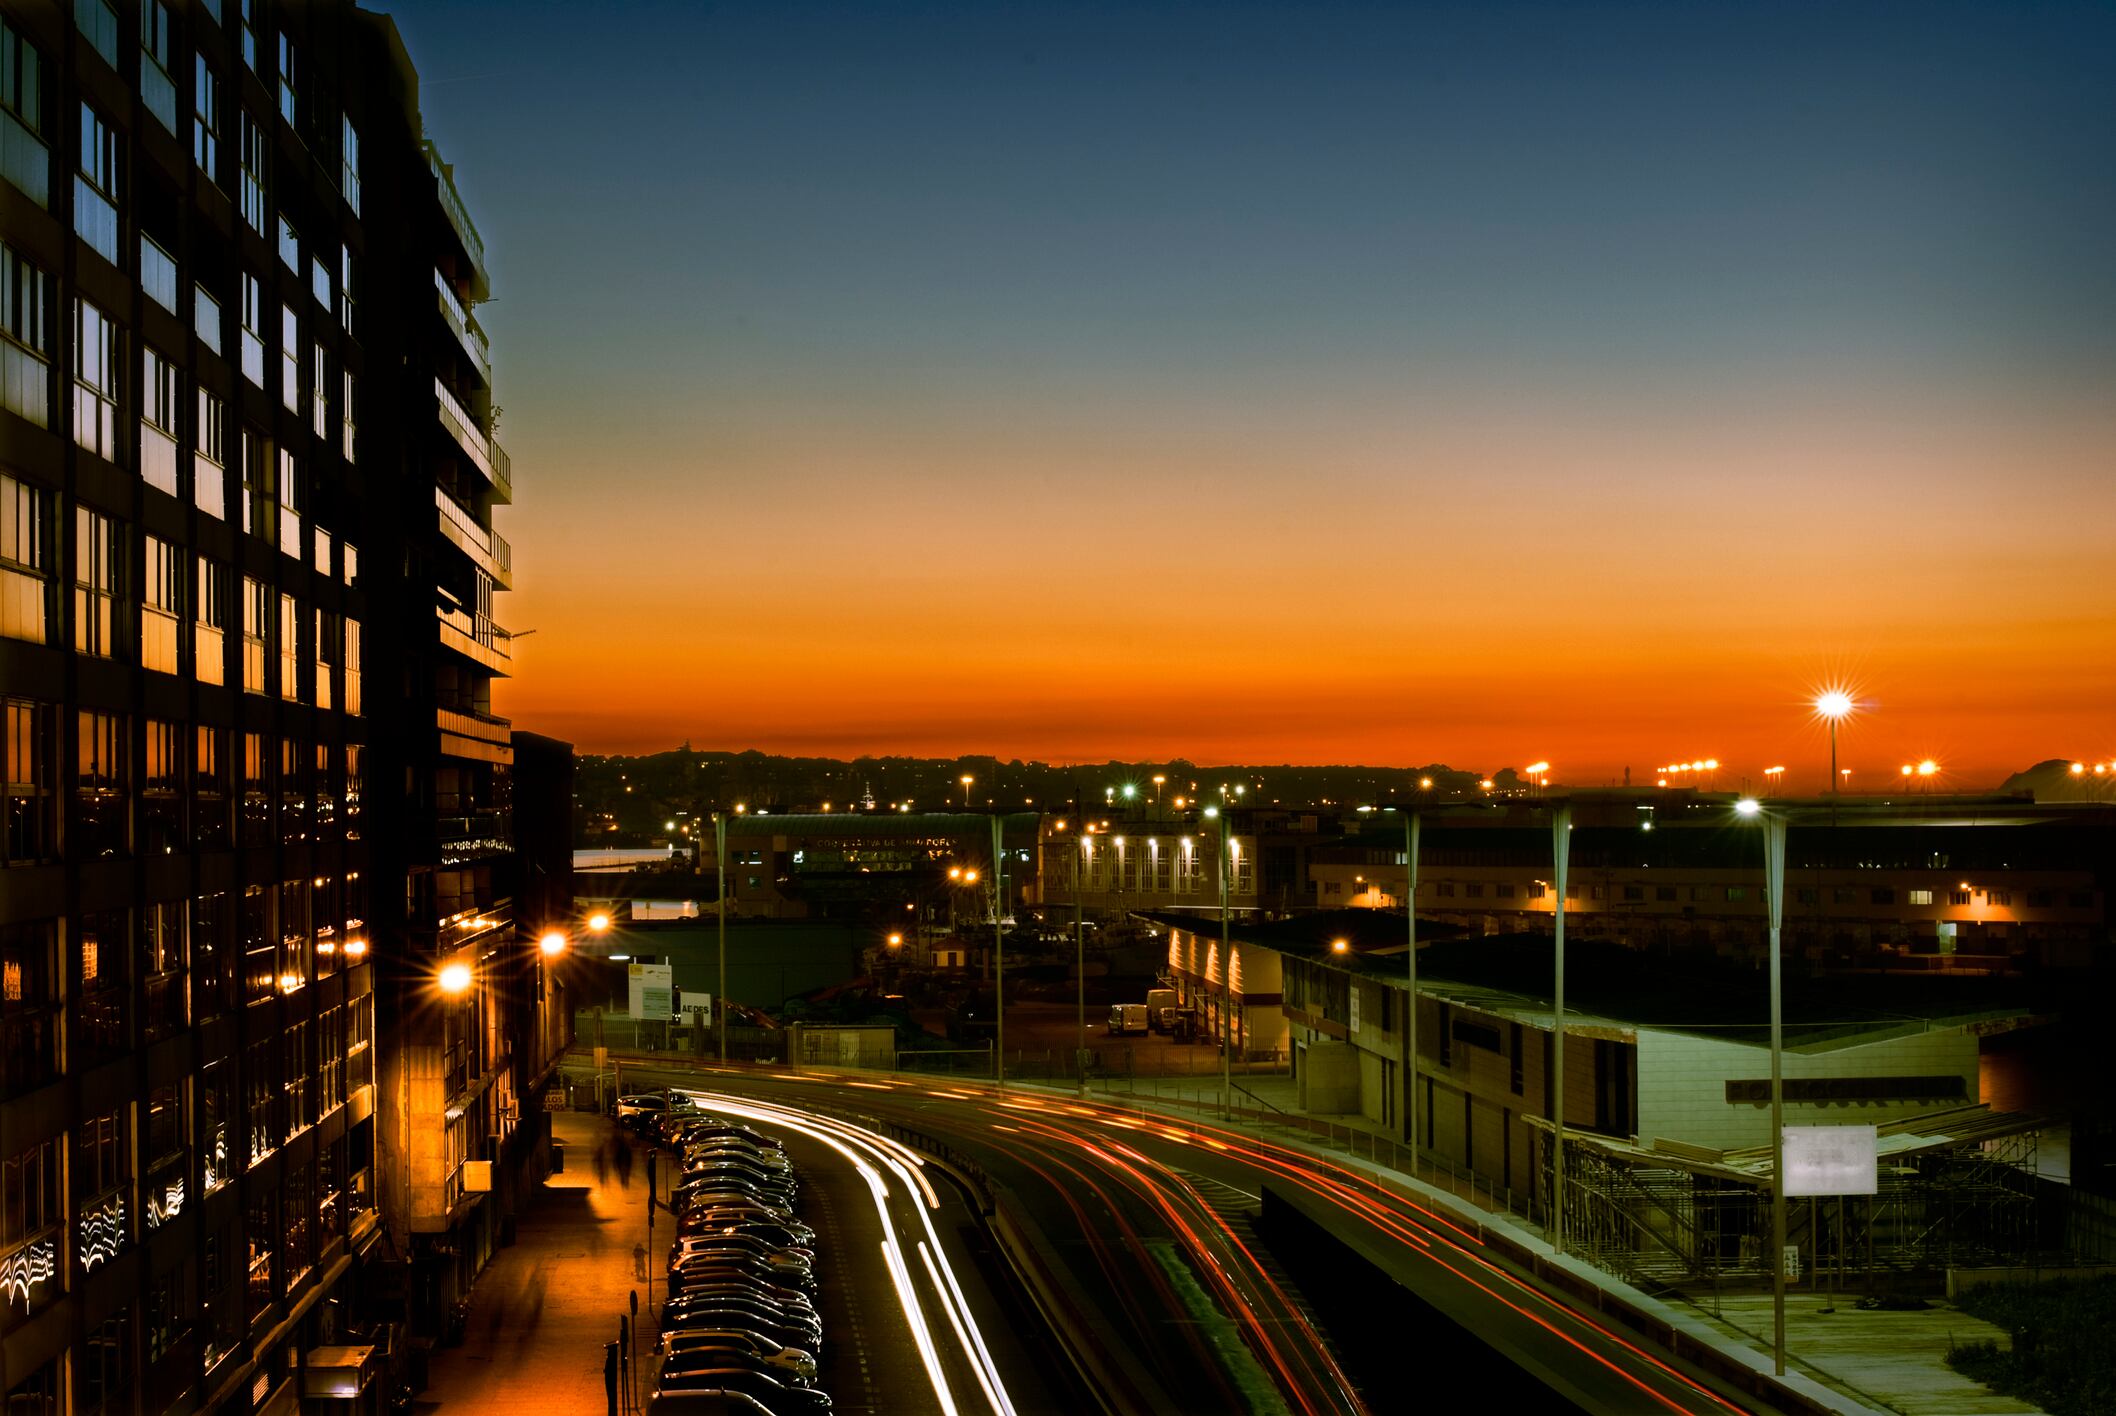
(1830, 1160)
(652, 989)
(1352, 991)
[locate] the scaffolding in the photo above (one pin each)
(1956, 1189)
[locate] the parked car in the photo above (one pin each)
(691, 1358)
(775, 1192)
(793, 1360)
(781, 1261)
(705, 1401)
(781, 1399)
(778, 1331)
(714, 1269)
(730, 1150)
(785, 1236)
(695, 1130)
(727, 1242)
(740, 1305)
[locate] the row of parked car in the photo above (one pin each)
(740, 1332)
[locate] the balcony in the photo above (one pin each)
(474, 836)
(486, 547)
(464, 328)
(476, 638)
(484, 454)
(458, 217)
(479, 737)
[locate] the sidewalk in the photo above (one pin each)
(543, 1309)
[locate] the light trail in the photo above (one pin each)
(875, 1157)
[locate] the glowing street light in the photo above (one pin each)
(599, 923)
(1340, 945)
(553, 944)
(1833, 706)
(1160, 780)
(896, 941)
(1130, 791)
(966, 780)
(455, 979)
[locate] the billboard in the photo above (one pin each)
(653, 989)
(1830, 1160)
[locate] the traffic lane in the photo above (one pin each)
(1585, 1353)
(1118, 1229)
(1126, 1216)
(1602, 1364)
(957, 1360)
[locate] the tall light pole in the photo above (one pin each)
(1080, 942)
(966, 780)
(1410, 1011)
(720, 856)
(1219, 818)
(1833, 707)
(1774, 893)
(999, 955)
(1561, 848)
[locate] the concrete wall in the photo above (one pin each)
(1329, 1079)
(1682, 1083)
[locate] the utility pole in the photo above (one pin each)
(720, 1003)
(999, 952)
(1410, 1010)
(1774, 884)
(1080, 943)
(1561, 847)
(1226, 984)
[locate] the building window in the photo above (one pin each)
(1843, 895)
(1446, 889)
(345, 287)
(23, 159)
(2000, 898)
(352, 808)
(1505, 890)
(289, 648)
(161, 606)
(25, 561)
(205, 317)
(162, 790)
(98, 24)
(209, 593)
(246, 26)
(289, 358)
(157, 273)
(1665, 894)
(209, 487)
(99, 787)
(1807, 895)
(319, 412)
(256, 626)
(97, 556)
(31, 1209)
(95, 381)
(157, 89)
(1883, 895)
(1737, 893)
(205, 118)
(157, 420)
(25, 338)
(1919, 897)
(254, 156)
(257, 485)
(290, 504)
(256, 818)
(95, 186)
(345, 414)
(1957, 897)
(1475, 890)
(289, 93)
(260, 949)
(216, 1118)
(327, 653)
(349, 164)
(252, 329)
(352, 667)
(28, 830)
(209, 790)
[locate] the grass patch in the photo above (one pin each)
(2063, 1355)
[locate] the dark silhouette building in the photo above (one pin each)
(256, 801)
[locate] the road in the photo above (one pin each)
(1146, 1215)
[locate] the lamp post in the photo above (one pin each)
(1219, 817)
(720, 908)
(1410, 1010)
(1774, 894)
(999, 955)
(1080, 943)
(1833, 707)
(1561, 848)
(966, 780)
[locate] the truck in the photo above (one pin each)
(1159, 1001)
(1127, 1018)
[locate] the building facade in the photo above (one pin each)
(245, 462)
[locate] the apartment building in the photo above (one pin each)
(245, 454)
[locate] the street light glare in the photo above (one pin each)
(599, 922)
(553, 944)
(1340, 945)
(1833, 704)
(1747, 806)
(455, 978)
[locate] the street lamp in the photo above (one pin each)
(1833, 706)
(454, 979)
(553, 944)
(966, 780)
(599, 923)
(1160, 780)
(1750, 809)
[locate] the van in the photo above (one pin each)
(1127, 1018)
(1158, 1001)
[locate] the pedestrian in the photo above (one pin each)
(624, 1164)
(609, 1375)
(602, 1161)
(639, 1260)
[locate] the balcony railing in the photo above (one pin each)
(484, 546)
(476, 637)
(481, 833)
(465, 330)
(464, 428)
(452, 204)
